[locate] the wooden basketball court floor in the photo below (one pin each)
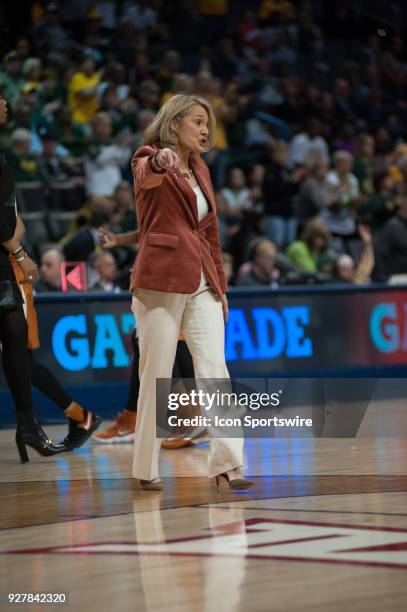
(324, 528)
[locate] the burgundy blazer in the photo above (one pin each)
(173, 244)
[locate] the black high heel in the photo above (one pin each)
(35, 437)
(237, 484)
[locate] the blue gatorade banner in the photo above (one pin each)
(86, 338)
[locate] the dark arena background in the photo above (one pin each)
(309, 170)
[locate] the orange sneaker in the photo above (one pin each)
(173, 443)
(195, 436)
(120, 431)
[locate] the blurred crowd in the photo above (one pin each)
(310, 160)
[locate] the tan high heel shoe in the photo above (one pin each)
(152, 485)
(237, 484)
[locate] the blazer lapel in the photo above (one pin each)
(186, 190)
(203, 183)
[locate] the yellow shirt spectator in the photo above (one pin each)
(284, 7)
(221, 141)
(213, 7)
(82, 97)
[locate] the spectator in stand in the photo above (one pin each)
(364, 165)
(382, 203)
(253, 225)
(51, 96)
(148, 94)
(144, 118)
(25, 165)
(82, 89)
(71, 135)
(292, 108)
(170, 67)
(402, 166)
(124, 206)
(141, 69)
(326, 111)
(49, 35)
(314, 194)
(339, 214)
(278, 189)
(141, 15)
(224, 60)
(249, 32)
(55, 167)
(270, 9)
(111, 106)
(312, 252)
(180, 83)
(307, 141)
(86, 239)
(114, 77)
(261, 269)
(343, 100)
(23, 48)
(383, 149)
(32, 73)
(346, 139)
(391, 246)
(104, 159)
(52, 257)
(232, 201)
(266, 86)
(10, 78)
(256, 180)
(346, 271)
(209, 89)
(104, 264)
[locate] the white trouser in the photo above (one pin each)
(160, 316)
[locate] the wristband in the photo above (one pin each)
(16, 252)
(22, 258)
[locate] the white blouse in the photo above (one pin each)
(201, 202)
(203, 210)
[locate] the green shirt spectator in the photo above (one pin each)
(10, 79)
(24, 164)
(312, 252)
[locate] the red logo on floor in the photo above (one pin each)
(263, 538)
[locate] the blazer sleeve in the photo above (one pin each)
(144, 175)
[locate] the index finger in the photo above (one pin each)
(175, 159)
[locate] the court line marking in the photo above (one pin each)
(258, 509)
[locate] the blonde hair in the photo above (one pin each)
(160, 132)
(315, 228)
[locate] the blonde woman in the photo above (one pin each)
(178, 279)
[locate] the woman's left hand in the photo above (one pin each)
(225, 307)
